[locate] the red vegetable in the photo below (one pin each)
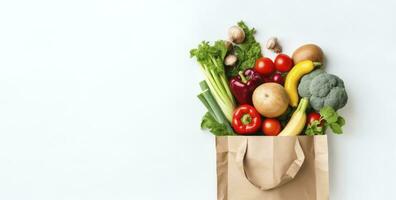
(271, 127)
(264, 66)
(246, 120)
(243, 85)
(267, 79)
(314, 116)
(283, 63)
(278, 78)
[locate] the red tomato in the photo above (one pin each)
(264, 66)
(283, 63)
(312, 117)
(271, 127)
(278, 78)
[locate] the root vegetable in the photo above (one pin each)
(308, 52)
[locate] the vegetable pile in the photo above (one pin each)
(247, 93)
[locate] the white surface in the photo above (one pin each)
(98, 98)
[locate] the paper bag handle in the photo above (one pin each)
(290, 173)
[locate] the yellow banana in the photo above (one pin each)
(294, 76)
(297, 121)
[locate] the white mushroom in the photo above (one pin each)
(230, 60)
(228, 44)
(272, 44)
(236, 34)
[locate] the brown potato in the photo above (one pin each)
(308, 52)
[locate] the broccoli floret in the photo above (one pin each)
(337, 98)
(323, 89)
(303, 87)
(340, 83)
(322, 84)
(316, 102)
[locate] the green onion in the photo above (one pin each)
(208, 100)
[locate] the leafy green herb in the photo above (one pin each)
(331, 120)
(209, 123)
(336, 128)
(314, 129)
(329, 114)
(247, 52)
(341, 121)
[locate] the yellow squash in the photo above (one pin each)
(297, 121)
(294, 76)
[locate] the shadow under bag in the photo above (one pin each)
(272, 168)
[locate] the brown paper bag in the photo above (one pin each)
(272, 168)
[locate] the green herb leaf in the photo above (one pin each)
(209, 123)
(314, 128)
(341, 121)
(336, 128)
(329, 114)
(332, 119)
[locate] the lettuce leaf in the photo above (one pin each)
(247, 52)
(209, 123)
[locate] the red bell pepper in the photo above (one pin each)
(246, 120)
(243, 85)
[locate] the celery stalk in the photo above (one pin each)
(211, 58)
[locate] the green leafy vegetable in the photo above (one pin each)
(247, 52)
(336, 128)
(329, 114)
(314, 129)
(330, 118)
(211, 58)
(218, 129)
(323, 89)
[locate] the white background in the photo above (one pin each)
(98, 98)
